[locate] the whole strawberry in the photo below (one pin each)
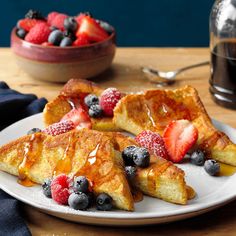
(153, 142)
(38, 34)
(27, 24)
(109, 99)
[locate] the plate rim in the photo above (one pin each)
(127, 215)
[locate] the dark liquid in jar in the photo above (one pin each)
(223, 74)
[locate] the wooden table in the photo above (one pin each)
(125, 74)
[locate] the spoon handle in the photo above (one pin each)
(192, 66)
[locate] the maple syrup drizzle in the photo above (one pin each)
(64, 165)
(164, 108)
(31, 153)
(137, 194)
(227, 170)
(150, 115)
(97, 168)
(92, 155)
(191, 193)
(74, 102)
(91, 165)
(77, 101)
(211, 141)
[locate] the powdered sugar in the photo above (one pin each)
(109, 99)
(153, 142)
(59, 128)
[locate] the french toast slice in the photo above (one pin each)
(162, 179)
(154, 109)
(86, 152)
(72, 94)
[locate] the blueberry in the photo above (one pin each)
(78, 201)
(47, 188)
(108, 28)
(18, 25)
(91, 99)
(81, 184)
(95, 111)
(128, 154)
(91, 198)
(55, 37)
(103, 202)
(130, 172)
(141, 157)
(65, 42)
(70, 24)
(21, 33)
(70, 35)
(212, 167)
(197, 158)
(34, 130)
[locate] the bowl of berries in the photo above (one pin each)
(59, 47)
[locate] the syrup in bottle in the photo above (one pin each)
(223, 53)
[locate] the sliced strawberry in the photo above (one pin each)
(79, 117)
(179, 136)
(27, 24)
(80, 17)
(92, 29)
(81, 40)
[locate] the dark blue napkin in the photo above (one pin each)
(13, 107)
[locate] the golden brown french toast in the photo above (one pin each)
(86, 152)
(39, 156)
(154, 109)
(162, 179)
(72, 94)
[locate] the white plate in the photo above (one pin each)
(212, 192)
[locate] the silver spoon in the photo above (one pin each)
(166, 78)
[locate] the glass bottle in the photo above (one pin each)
(223, 53)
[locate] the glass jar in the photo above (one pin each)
(223, 53)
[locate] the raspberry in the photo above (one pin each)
(59, 128)
(38, 34)
(153, 142)
(109, 99)
(58, 21)
(51, 17)
(60, 189)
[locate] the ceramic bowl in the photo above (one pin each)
(58, 64)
